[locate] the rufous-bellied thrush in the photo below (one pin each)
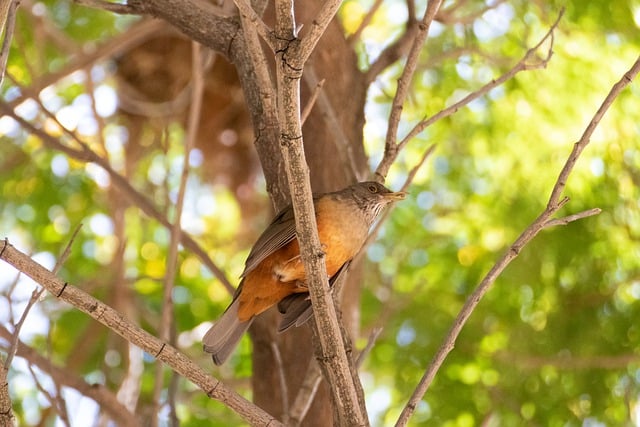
(274, 272)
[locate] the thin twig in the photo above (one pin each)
(371, 341)
(35, 296)
(8, 23)
(279, 368)
(306, 393)
(122, 183)
(392, 149)
(344, 147)
(570, 218)
(56, 403)
(311, 102)
(120, 8)
(522, 65)
(407, 182)
(554, 204)
(404, 83)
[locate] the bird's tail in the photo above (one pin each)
(223, 337)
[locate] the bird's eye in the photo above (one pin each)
(373, 188)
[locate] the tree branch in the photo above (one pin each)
(394, 51)
(6, 408)
(164, 352)
(554, 204)
(290, 59)
(306, 393)
(8, 12)
(522, 65)
(344, 148)
(256, 23)
(570, 218)
(392, 148)
(116, 46)
(317, 28)
(404, 83)
(85, 154)
(121, 8)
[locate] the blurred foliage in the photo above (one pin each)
(556, 341)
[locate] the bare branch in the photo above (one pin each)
(134, 196)
(285, 28)
(373, 337)
(344, 147)
(404, 83)
(257, 24)
(121, 8)
(290, 60)
(307, 392)
(8, 12)
(56, 402)
(316, 30)
(6, 408)
(523, 65)
(284, 390)
(570, 218)
(164, 352)
(554, 204)
(412, 173)
(311, 102)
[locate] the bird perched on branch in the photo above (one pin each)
(274, 272)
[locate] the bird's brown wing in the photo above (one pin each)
(296, 309)
(281, 231)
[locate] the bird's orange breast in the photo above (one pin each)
(342, 233)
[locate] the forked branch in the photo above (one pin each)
(543, 221)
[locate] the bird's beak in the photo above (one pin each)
(394, 197)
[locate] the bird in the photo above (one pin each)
(274, 272)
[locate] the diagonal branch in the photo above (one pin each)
(404, 83)
(121, 8)
(543, 221)
(8, 11)
(85, 154)
(524, 64)
(256, 23)
(162, 351)
(317, 26)
(570, 218)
